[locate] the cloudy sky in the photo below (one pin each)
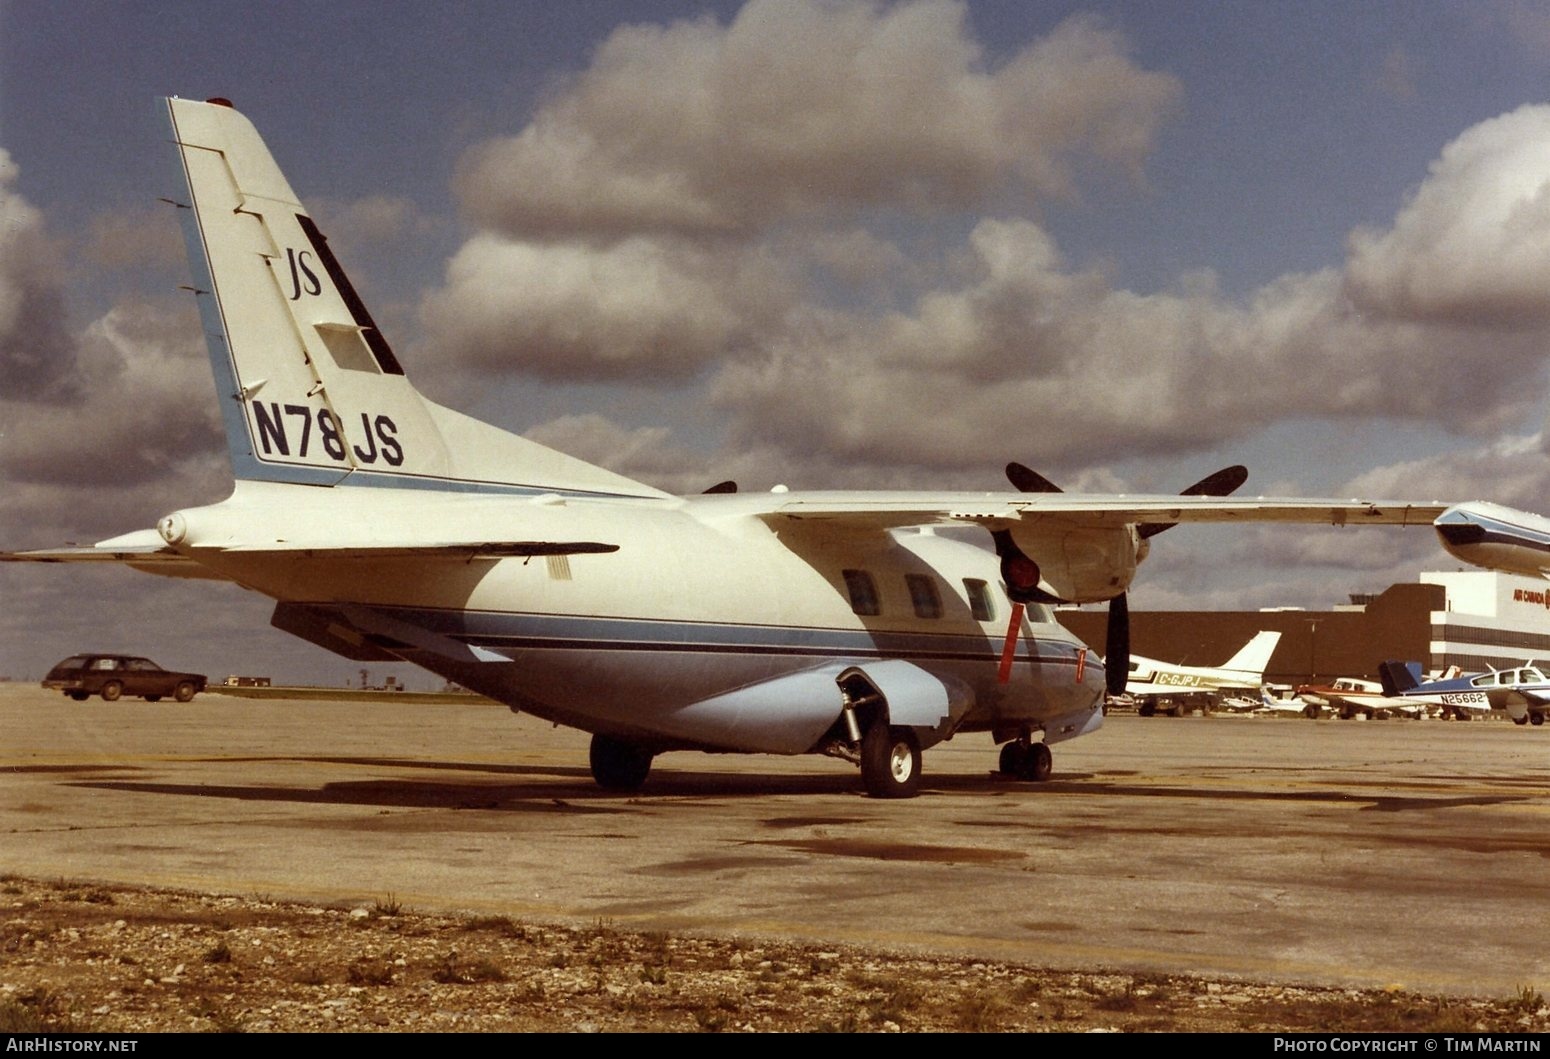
(820, 244)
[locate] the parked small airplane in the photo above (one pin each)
(1348, 697)
(1150, 680)
(1497, 537)
(388, 527)
(1523, 693)
(1280, 698)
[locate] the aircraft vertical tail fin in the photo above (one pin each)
(311, 391)
(1399, 677)
(1254, 656)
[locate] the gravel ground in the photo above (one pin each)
(81, 957)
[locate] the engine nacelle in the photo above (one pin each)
(1072, 565)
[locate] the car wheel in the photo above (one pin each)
(78, 696)
(111, 691)
(184, 692)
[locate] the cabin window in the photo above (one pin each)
(863, 592)
(980, 604)
(923, 595)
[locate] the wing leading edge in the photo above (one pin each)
(899, 510)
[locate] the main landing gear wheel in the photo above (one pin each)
(1536, 718)
(617, 765)
(1026, 761)
(890, 762)
(1520, 720)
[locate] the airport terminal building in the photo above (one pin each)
(1475, 619)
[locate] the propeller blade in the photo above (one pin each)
(1028, 480)
(1116, 656)
(1009, 648)
(1224, 482)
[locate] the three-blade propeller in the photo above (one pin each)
(1116, 658)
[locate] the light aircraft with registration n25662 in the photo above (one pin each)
(388, 527)
(1522, 692)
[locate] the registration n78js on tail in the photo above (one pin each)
(385, 526)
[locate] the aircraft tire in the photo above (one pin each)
(111, 691)
(617, 765)
(1012, 755)
(1038, 763)
(1520, 720)
(1311, 712)
(890, 761)
(1147, 708)
(1536, 718)
(1026, 761)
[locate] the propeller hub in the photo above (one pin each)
(1021, 572)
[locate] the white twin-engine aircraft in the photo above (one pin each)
(387, 527)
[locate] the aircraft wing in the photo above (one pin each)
(145, 550)
(461, 550)
(1528, 696)
(999, 510)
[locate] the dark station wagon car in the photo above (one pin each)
(113, 676)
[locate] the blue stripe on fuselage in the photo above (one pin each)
(496, 630)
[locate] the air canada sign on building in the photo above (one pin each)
(1537, 596)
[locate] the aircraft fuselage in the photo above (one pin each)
(653, 642)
